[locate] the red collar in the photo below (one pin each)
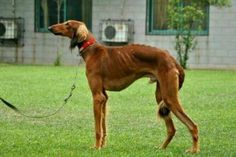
(87, 43)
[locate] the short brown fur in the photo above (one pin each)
(115, 68)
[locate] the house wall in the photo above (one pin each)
(217, 50)
(39, 48)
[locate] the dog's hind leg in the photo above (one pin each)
(164, 113)
(169, 91)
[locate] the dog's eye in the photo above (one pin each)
(67, 23)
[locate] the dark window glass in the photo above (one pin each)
(48, 12)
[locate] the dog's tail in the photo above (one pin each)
(163, 110)
(181, 75)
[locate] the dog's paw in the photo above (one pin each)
(103, 145)
(160, 147)
(192, 150)
(95, 147)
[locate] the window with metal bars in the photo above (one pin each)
(157, 18)
(48, 12)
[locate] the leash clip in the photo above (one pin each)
(73, 87)
(71, 90)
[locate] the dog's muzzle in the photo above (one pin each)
(51, 30)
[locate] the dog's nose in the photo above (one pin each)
(50, 28)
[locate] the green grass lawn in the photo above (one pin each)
(208, 96)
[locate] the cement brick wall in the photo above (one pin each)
(39, 48)
(217, 50)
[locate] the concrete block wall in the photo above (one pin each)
(217, 50)
(39, 48)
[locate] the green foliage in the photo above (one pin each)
(208, 96)
(184, 17)
(184, 44)
(219, 3)
(57, 61)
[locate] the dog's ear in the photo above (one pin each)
(79, 35)
(82, 33)
(74, 41)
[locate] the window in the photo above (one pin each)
(157, 19)
(48, 12)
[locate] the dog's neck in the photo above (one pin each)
(85, 44)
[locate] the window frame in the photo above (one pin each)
(150, 30)
(37, 16)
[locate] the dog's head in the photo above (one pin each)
(75, 30)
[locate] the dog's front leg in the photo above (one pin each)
(104, 129)
(99, 101)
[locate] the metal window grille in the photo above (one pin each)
(11, 31)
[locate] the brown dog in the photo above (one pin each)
(113, 69)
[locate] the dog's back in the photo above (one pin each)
(144, 56)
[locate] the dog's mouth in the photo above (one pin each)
(54, 32)
(57, 33)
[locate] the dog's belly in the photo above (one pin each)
(118, 84)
